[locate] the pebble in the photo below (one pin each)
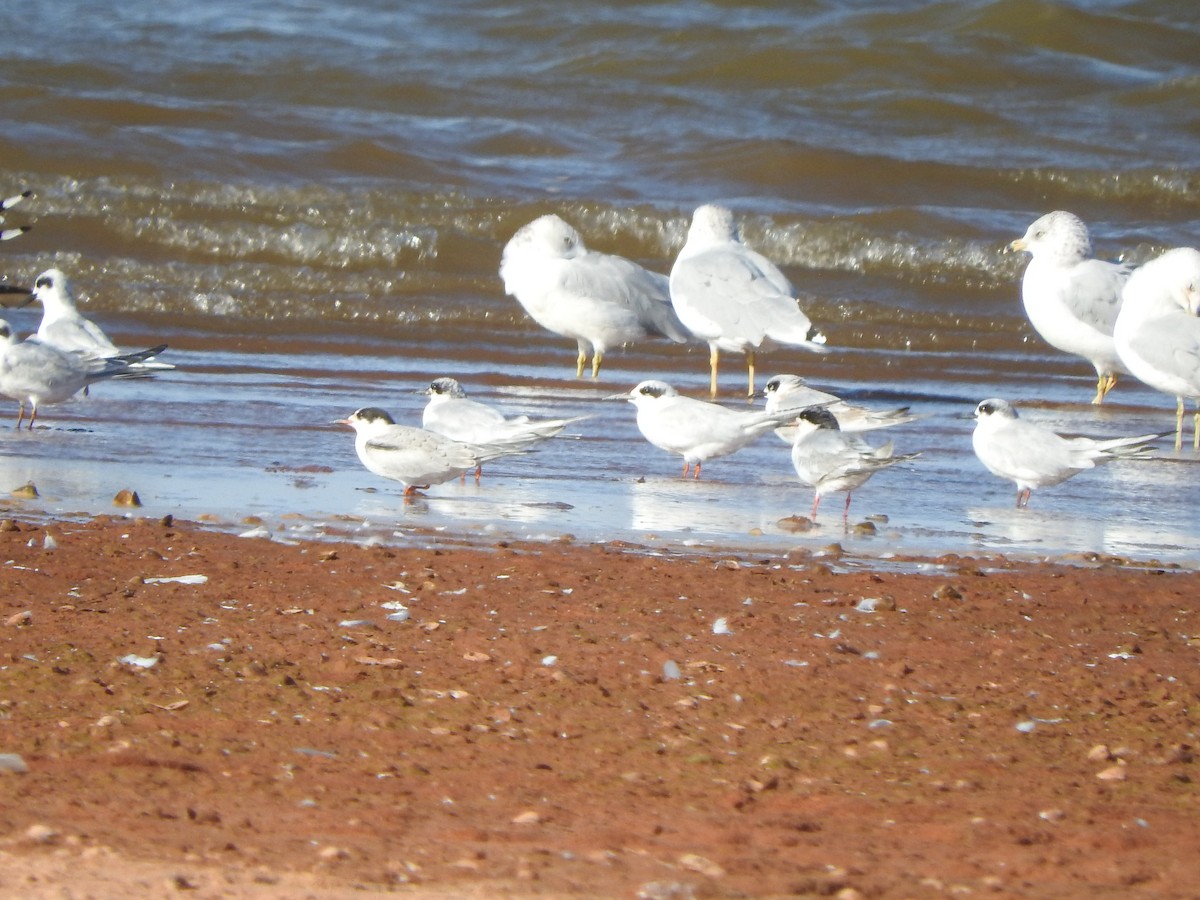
(27, 491)
(1113, 773)
(666, 890)
(126, 497)
(17, 620)
(13, 762)
(41, 834)
(696, 863)
(529, 817)
(947, 592)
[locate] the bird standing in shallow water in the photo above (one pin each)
(733, 297)
(1033, 456)
(598, 299)
(830, 460)
(1072, 299)
(413, 456)
(695, 429)
(451, 413)
(1158, 331)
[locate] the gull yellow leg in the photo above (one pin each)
(1178, 424)
(713, 353)
(1104, 384)
(750, 374)
(596, 357)
(580, 362)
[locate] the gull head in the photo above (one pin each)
(712, 224)
(1058, 235)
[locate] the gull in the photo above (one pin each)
(1033, 456)
(7, 234)
(792, 392)
(732, 297)
(599, 299)
(1071, 298)
(695, 429)
(413, 456)
(452, 414)
(1158, 331)
(830, 460)
(65, 328)
(36, 373)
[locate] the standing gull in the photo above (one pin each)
(695, 429)
(831, 461)
(1033, 456)
(1158, 331)
(1071, 298)
(733, 297)
(599, 300)
(451, 413)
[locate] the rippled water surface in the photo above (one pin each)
(308, 202)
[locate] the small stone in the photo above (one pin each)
(41, 834)
(332, 854)
(18, 620)
(13, 762)
(529, 817)
(796, 524)
(9, 525)
(126, 497)
(696, 863)
(27, 491)
(865, 529)
(947, 592)
(1113, 773)
(1053, 814)
(1099, 753)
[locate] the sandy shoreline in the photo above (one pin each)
(560, 720)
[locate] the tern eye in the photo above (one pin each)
(44, 282)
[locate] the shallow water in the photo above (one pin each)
(308, 203)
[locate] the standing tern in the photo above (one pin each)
(1033, 456)
(65, 328)
(598, 299)
(1071, 298)
(1158, 331)
(413, 456)
(452, 414)
(792, 392)
(36, 373)
(733, 297)
(695, 429)
(828, 459)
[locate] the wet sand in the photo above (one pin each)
(557, 719)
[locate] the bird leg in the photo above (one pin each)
(1196, 426)
(478, 473)
(1178, 424)
(687, 467)
(750, 373)
(580, 361)
(713, 353)
(816, 503)
(846, 512)
(21, 415)
(1023, 497)
(596, 357)
(1104, 384)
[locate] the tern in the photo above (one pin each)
(1033, 456)
(828, 459)
(792, 392)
